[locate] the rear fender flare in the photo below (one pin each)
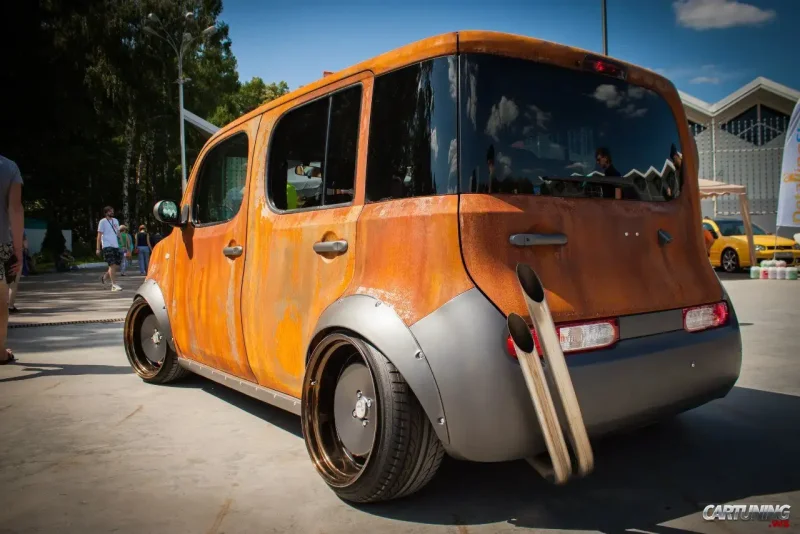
(379, 324)
(152, 294)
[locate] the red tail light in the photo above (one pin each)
(700, 318)
(578, 337)
(605, 67)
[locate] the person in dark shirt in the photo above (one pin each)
(603, 158)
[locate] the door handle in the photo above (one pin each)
(531, 240)
(233, 252)
(337, 247)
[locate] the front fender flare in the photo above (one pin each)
(379, 324)
(152, 294)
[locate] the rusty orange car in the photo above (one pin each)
(348, 252)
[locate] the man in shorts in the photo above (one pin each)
(108, 246)
(11, 222)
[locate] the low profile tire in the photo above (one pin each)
(364, 429)
(147, 348)
(730, 261)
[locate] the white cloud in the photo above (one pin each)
(434, 144)
(503, 114)
(577, 166)
(505, 164)
(608, 93)
(718, 14)
(542, 117)
(636, 92)
(705, 79)
(452, 75)
(632, 111)
(452, 157)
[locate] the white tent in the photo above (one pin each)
(711, 189)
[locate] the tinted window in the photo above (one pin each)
(219, 190)
(530, 128)
(736, 227)
(412, 146)
(300, 168)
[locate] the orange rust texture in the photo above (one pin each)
(600, 272)
(287, 285)
(206, 318)
(408, 255)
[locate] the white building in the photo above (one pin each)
(740, 141)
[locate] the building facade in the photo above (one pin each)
(740, 141)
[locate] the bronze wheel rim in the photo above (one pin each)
(144, 343)
(340, 410)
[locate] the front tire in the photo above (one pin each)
(364, 429)
(730, 261)
(146, 347)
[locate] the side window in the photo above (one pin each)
(219, 190)
(708, 227)
(312, 158)
(412, 137)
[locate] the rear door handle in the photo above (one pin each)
(531, 240)
(338, 247)
(233, 252)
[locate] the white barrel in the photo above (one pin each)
(755, 272)
(781, 263)
(791, 273)
(773, 272)
(781, 274)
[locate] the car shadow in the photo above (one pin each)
(39, 370)
(266, 412)
(728, 450)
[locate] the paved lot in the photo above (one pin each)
(87, 447)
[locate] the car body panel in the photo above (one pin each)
(208, 285)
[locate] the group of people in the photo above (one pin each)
(117, 247)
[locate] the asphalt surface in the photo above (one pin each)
(85, 446)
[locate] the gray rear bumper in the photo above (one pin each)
(489, 412)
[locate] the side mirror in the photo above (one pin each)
(166, 212)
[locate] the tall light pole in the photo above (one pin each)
(180, 49)
(605, 33)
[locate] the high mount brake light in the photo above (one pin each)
(578, 337)
(700, 318)
(605, 67)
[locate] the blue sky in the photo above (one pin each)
(708, 48)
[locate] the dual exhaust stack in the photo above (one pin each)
(559, 468)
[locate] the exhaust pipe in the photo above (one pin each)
(533, 291)
(560, 466)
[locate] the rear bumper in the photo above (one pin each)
(488, 409)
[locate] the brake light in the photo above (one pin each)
(704, 317)
(578, 337)
(605, 67)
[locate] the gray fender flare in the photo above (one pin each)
(379, 324)
(152, 294)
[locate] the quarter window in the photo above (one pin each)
(221, 181)
(313, 153)
(412, 147)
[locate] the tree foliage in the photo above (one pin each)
(92, 113)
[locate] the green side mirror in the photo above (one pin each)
(167, 212)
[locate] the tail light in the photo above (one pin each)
(604, 66)
(704, 317)
(578, 337)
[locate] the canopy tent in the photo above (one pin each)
(711, 189)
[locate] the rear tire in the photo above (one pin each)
(149, 354)
(386, 447)
(730, 261)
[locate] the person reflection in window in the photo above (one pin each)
(603, 159)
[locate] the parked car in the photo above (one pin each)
(380, 315)
(731, 252)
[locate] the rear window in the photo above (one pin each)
(530, 128)
(734, 227)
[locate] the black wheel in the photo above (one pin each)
(147, 349)
(730, 260)
(364, 429)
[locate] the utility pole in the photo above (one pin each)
(605, 32)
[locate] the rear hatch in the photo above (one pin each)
(581, 176)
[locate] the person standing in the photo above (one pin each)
(108, 246)
(13, 280)
(126, 247)
(11, 223)
(143, 249)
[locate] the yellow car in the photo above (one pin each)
(730, 252)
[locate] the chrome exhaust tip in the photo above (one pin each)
(534, 294)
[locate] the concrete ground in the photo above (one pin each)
(85, 446)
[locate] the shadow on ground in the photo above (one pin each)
(39, 370)
(50, 339)
(732, 449)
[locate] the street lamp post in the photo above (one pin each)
(605, 32)
(179, 49)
